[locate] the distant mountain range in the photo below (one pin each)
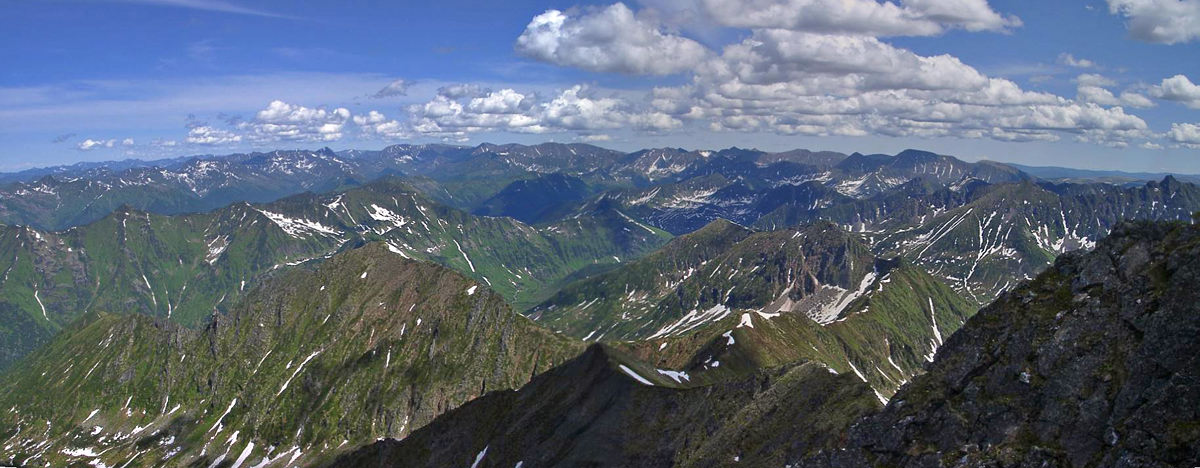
(1066, 174)
(476, 178)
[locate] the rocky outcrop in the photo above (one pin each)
(1094, 363)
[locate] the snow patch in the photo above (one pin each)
(43, 306)
(299, 227)
(677, 376)
(217, 424)
(81, 452)
(635, 375)
(693, 319)
(245, 454)
(856, 372)
(464, 254)
(479, 457)
(297, 371)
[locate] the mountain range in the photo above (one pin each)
(185, 267)
(567, 305)
(1088, 364)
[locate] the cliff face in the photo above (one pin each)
(1096, 362)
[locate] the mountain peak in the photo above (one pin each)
(915, 153)
(720, 227)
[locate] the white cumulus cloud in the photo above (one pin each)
(90, 144)
(611, 39)
(1160, 21)
(283, 121)
(1180, 89)
(1093, 88)
(573, 109)
(206, 135)
(375, 124)
(867, 17)
(1185, 134)
(808, 67)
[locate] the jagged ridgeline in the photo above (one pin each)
(60, 197)
(725, 300)
(366, 345)
(1096, 362)
(979, 236)
(1006, 233)
(65, 196)
(942, 213)
(746, 185)
(186, 266)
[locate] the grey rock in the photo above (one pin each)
(1096, 363)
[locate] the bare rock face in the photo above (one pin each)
(1094, 363)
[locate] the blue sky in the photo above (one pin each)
(1101, 84)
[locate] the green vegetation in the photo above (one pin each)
(367, 345)
(186, 267)
(749, 300)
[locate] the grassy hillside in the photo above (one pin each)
(366, 345)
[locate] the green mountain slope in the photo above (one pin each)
(725, 300)
(366, 345)
(535, 199)
(884, 340)
(180, 267)
(1093, 363)
(593, 411)
(521, 261)
(624, 303)
(186, 266)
